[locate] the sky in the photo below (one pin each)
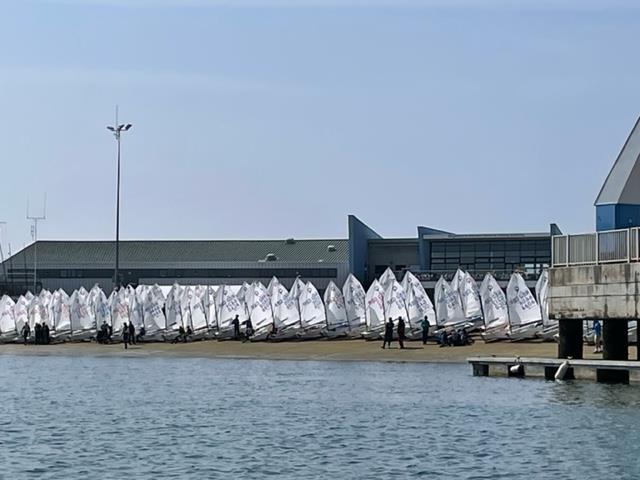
(277, 118)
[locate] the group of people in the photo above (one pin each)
(425, 325)
(183, 335)
(42, 334)
(129, 335)
(454, 338)
(248, 329)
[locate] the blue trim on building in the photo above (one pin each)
(617, 215)
(359, 235)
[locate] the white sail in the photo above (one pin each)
(21, 312)
(173, 309)
(494, 303)
(185, 306)
(312, 313)
(296, 289)
(523, 308)
(45, 297)
(457, 281)
(81, 316)
(335, 308)
(119, 310)
(7, 317)
(448, 307)
(355, 304)
(470, 297)
(542, 294)
(209, 300)
(99, 306)
(395, 299)
(230, 304)
(197, 309)
(285, 309)
(61, 311)
(274, 283)
(419, 304)
(152, 303)
(135, 297)
(387, 278)
(374, 301)
(259, 306)
(35, 312)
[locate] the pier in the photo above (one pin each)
(606, 371)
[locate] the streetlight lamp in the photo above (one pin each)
(117, 130)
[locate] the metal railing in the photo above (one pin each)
(613, 246)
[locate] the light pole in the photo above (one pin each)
(34, 234)
(117, 130)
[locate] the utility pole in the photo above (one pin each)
(34, 234)
(117, 130)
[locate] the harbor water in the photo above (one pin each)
(153, 418)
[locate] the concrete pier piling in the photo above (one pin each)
(615, 346)
(570, 338)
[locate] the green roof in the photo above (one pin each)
(69, 254)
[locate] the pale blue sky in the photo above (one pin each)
(260, 120)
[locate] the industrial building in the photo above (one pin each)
(365, 253)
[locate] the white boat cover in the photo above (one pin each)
(7, 317)
(418, 302)
(448, 307)
(395, 299)
(387, 278)
(542, 294)
(523, 308)
(494, 303)
(355, 303)
(374, 301)
(154, 318)
(470, 297)
(259, 306)
(312, 313)
(335, 308)
(285, 309)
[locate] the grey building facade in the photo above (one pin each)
(365, 253)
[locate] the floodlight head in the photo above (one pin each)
(111, 128)
(127, 127)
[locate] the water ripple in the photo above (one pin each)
(158, 418)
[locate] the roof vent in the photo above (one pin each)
(331, 248)
(271, 257)
(290, 241)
